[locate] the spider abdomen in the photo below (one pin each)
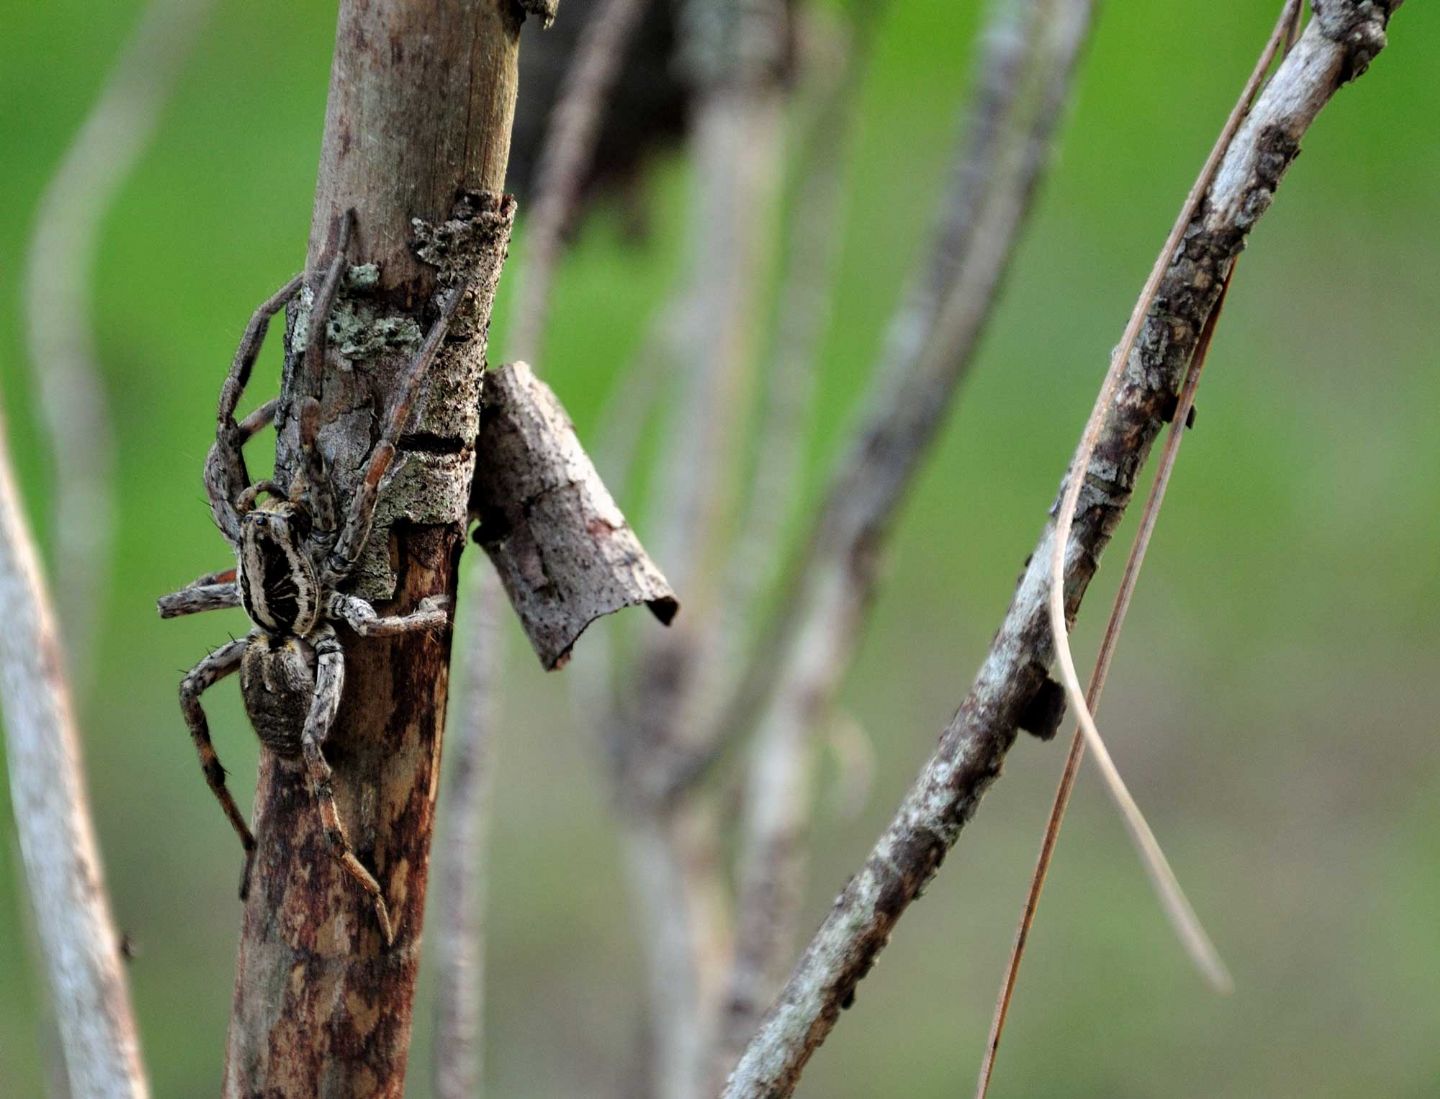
(277, 682)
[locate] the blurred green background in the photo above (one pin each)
(1273, 703)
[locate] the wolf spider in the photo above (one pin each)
(292, 554)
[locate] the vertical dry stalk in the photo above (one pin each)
(570, 138)
(57, 837)
(733, 53)
(463, 854)
(1023, 88)
(421, 100)
(59, 312)
(1337, 46)
(831, 67)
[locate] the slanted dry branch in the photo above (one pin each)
(1337, 46)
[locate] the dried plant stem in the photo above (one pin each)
(733, 51)
(1336, 46)
(835, 59)
(569, 148)
(1108, 644)
(997, 165)
(60, 314)
(1024, 86)
(63, 875)
(1187, 924)
(463, 855)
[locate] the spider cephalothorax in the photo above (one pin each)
(279, 586)
(292, 553)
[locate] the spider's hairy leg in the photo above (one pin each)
(313, 481)
(329, 682)
(205, 594)
(361, 617)
(222, 662)
(258, 420)
(356, 532)
(225, 473)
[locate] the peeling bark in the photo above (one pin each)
(561, 546)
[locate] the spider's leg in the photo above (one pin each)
(258, 420)
(313, 480)
(356, 531)
(200, 596)
(225, 473)
(360, 616)
(329, 680)
(222, 662)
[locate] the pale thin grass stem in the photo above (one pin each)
(1108, 645)
(1187, 924)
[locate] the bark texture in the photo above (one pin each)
(560, 544)
(416, 137)
(1338, 44)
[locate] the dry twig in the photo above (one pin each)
(1108, 643)
(570, 136)
(81, 947)
(1337, 45)
(463, 853)
(1187, 924)
(733, 51)
(1023, 87)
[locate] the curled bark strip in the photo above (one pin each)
(1335, 47)
(562, 547)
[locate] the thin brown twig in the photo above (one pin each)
(569, 148)
(928, 350)
(836, 59)
(1177, 907)
(733, 52)
(1108, 644)
(463, 853)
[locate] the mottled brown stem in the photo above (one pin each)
(1342, 38)
(417, 127)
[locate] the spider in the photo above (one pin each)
(292, 554)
